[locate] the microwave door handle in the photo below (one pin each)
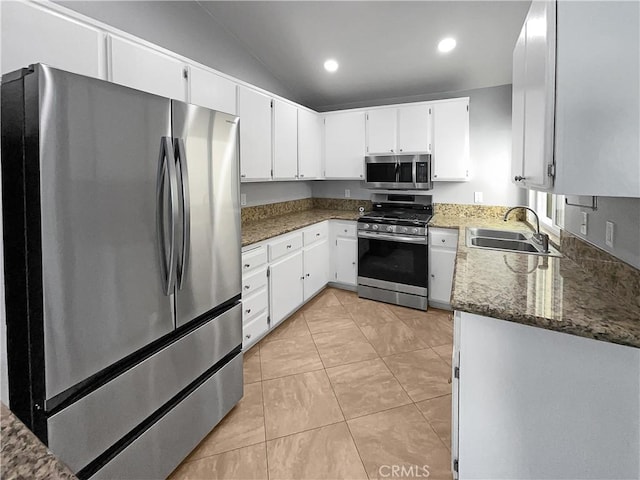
(397, 170)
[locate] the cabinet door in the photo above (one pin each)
(347, 260)
(31, 34)
(254, 110)
(441, 266)
(381, 130)
(517, 107)
(344, 149)
(309, 145)
(285, 287)
(316, 268)
(285, 140)
(139, 67)
(414, 129)
(539, 93)
(212, 91)
(451, 140)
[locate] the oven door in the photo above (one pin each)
(393, 262)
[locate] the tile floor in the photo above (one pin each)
(345, 388)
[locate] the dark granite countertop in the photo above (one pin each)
(23, 456)
(552, 293)
(258, 230)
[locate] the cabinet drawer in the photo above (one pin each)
(315, 233)
(253, 281)
(254, 258)
(282, 247)
(346, 230)
(254, 304)
(254, 329)
(443, 238)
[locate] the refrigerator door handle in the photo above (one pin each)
(167, 170)
(183, 259)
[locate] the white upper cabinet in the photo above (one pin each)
(414, 129)
(451, 140)
(145, 69)
(32, 34)
(382, 126)
(344, 145)
(254, 110)
(285, 141)
(309, 145)
(533, 94)
(212, 91)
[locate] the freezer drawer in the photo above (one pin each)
(85, 429)
(160, 449)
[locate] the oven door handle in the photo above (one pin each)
(393, 238)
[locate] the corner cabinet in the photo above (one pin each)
(285, 141)
(451, 140)
(575, 103)
(344, 145)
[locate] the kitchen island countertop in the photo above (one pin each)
(547, 292)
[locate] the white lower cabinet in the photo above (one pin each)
(443, 244)
(316, 268)
(286, 286)
(255, 295)
(345, 253)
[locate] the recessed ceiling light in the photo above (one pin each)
(331, 65)
(446, 45)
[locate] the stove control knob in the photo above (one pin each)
(405, 229)
(416, 230)
(389, 228)
(375, 227)
(366, 226)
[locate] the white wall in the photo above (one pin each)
(187, 29)
(490, 150)
(261, 193)
(623, 212)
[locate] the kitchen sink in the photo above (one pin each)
(491, 233)
(507, 241)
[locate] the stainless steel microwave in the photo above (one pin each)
(401, 172)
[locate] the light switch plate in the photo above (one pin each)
(243, 199)
(347, 193)
(477, 197)
(608, 238)
(584, 223)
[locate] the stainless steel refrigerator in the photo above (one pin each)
(122, 265)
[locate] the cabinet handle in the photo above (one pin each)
(288, 246)
(345, 230)
(247, 336)
(247, 265)
(248, 310)
(435, 176)
(518, 178)
(361, 175)
(391, 150)
(302, 277)
(307, 275)
(401, 150)
(433, 276)
(353, 263)
(301, 176)
(247, 287)
(243, 175)
(317, 234)
(443, 240)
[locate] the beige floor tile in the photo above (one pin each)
(345, 296)
(243, 426)
(401, 437)
(433, 327)
(366, 387)
(368, 313)
(326, 298)
(299, 402)
(328, 319)
(251, 367)
(445, 352)
(437, 411)
(323, 453)
(392, 337)
(345, 345)
(288, 357)
(422, 373)
(245, 463)
(295, 326)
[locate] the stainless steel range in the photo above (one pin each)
(392, 250)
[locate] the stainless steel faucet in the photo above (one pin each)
(541, 239)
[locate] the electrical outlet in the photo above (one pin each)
(608, 238)
(477, 197)
(584, 223)
(243, 199)
(347, 193)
